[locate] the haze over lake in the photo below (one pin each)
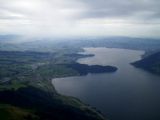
(127, 94)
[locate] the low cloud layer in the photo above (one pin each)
(137, 18)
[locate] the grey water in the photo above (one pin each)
(127, 94)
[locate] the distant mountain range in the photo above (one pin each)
(7, 37)
(19, 43)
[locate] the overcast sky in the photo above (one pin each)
(134, 18)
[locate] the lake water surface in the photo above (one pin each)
(127, 94)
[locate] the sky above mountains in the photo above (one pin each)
(134, 18)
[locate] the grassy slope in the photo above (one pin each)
(25, 86)
(8, 112)
(48, 105)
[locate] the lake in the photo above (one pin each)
(127, 94)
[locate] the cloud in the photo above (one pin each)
(38, 15)
(80, 17)
(123, 8)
